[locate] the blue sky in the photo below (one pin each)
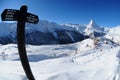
(104, 12)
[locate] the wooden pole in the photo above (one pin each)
(21, 42)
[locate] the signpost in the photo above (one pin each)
(31, 18)
(10, 15)
(21, 16)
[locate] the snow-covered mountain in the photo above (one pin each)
(92, 29)
(43, 33)
(77, 27)
(51, 33)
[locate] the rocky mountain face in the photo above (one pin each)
(63, 37)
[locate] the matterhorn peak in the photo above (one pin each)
(92, 27)
(92, 23)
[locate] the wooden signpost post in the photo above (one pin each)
(21, 16)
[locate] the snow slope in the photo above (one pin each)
(78, 61)
(114, 34)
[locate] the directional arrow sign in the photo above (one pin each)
(10, 15)
(31, 18)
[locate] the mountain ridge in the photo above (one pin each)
(56, 34)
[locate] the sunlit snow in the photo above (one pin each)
(77, 61)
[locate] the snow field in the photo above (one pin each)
(63, 62)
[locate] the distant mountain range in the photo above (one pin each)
(51, 33)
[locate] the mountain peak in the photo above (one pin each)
(92, 23)
(93, 27)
